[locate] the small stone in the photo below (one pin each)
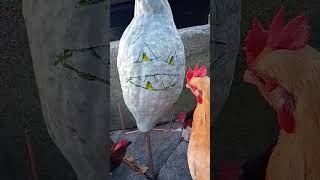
(123, 172)
(163, 143)
(176, 166)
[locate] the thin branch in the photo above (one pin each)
(172, 116)
(121, 119)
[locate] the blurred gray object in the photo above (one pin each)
(69, 49)
(226, 41)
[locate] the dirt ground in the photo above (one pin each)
(246, 127)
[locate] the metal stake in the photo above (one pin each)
(31, 157)
(172, 116)
(121, 119)
(150, 154)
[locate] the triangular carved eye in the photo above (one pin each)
(149, 55)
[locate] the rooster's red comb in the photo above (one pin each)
(255, 42)
(197, 72)
(294, 35)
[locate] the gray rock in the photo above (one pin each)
(226, 35)
(174, 125)
(176, 168)
(163, 144)
(123, 172)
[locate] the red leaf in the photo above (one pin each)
(182, 117)
(121, 143)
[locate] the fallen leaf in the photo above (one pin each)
(143, 169)
(129, 159)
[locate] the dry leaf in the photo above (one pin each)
(143, 169)
(129, 159)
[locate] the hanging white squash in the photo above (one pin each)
(151, 63)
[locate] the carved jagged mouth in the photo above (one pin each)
(155, 82)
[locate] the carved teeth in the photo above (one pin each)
(155, 81)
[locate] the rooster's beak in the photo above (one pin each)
(195, 91)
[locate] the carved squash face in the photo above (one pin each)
(151, 64)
